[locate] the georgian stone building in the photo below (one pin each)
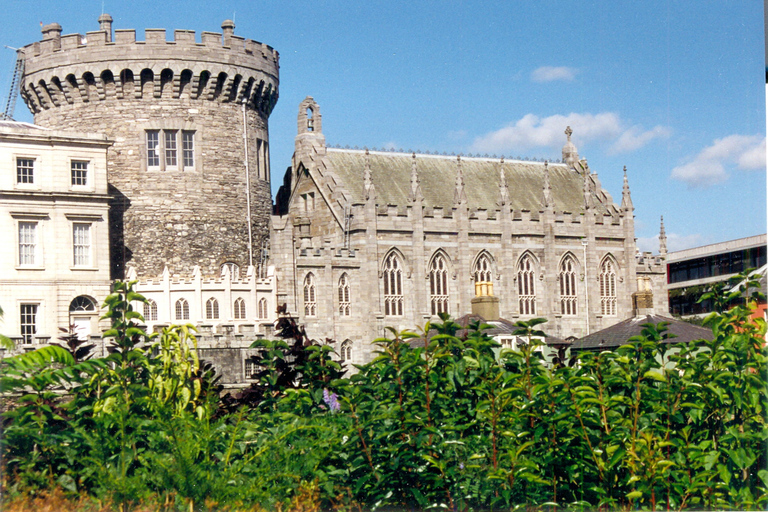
(54, 238)
(363, 240)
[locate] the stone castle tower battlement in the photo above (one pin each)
(189, 165)
(63, 70)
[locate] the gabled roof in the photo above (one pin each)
(391, 177)
(618, 334)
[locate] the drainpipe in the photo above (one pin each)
(247, 190)
(584, 243)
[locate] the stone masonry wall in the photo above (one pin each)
(175, 216)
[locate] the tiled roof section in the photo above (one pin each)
(617, 335)
(391, 175)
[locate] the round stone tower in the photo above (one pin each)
(189, 167)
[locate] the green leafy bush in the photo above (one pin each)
(434, 421)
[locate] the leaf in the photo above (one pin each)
(634, 495)
(655, 375)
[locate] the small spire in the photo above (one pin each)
(626, 198)
(369, 191)
(459, 196)
(547, 186)
(570, 153)
(415, 194)
(503, 188)
(662, 239)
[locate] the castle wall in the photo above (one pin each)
(219, 92)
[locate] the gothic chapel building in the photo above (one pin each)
(364, 239)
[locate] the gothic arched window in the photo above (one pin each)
(212, 309)
(482, 272)
(182, 309)
(262, 308)
(438, 284)
(567, 286)
(150, 311)
(239, 309)
(526, 285)
(345, 354)
(608, 287)
(393, 285)
(344, 306)
(310, 297)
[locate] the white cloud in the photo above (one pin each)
(532, 131)
(552, 73)
(635, 138)
(708, 167)
(390, 145)
(675, 242)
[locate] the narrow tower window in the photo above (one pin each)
(567, 285)
(608, 288)
(310, 301)
(526, 286)
(438, 285)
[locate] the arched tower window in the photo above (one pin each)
(567, 286)
(345, 353)
(150, 311)
(344, 303)
(262, 308)
(212, 309)
(526, 285)
(239, 307)
(182, 309)
(393, 285)
(310, 297)
(608, 287)
(438, 284)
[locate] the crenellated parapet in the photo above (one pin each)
(223, 67)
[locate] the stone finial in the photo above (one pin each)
(228, 27)
(415, 194)
(105, 24)
(662, 239)
(51, 31)
(459, 196)
(369, 191)
(503, 188)
(570, 153)
(547, 187)
(626, 198)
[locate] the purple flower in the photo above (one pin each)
(331, 400)
(461, 465)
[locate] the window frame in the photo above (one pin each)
(439, 295)
(239, 309)
(22, 257)
(88, 247)
(392, 275)
(212, 309)
(526, 285)
(345, 305)
(33, 172)
(607, 278)
(84, 173)
(568, 291)
(150, 311)
(28, 338)
(310, 295)
(170, 148)
(181, 309)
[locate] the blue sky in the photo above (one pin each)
(673, 90)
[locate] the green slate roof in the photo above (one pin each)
(391, 176)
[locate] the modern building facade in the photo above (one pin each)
(691, 272)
